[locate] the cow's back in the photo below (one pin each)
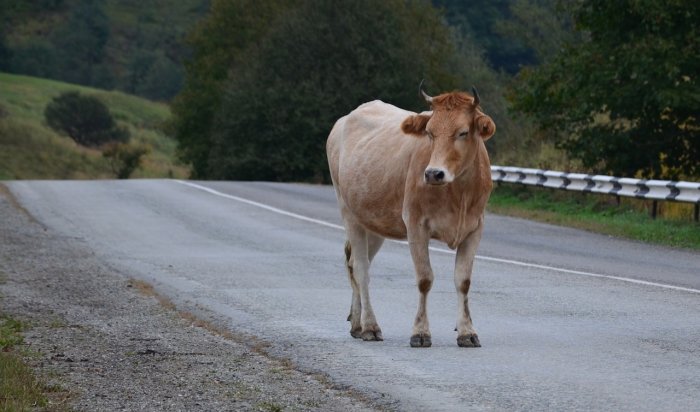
(370, 159)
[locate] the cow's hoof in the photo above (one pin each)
(356, 333)
(372, 335)
(468, 341)
(421, 341)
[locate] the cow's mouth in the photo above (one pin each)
(434, 183)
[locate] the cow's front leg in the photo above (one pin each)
(466, 335)
(418, 242)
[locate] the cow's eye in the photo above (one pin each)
(464, 133)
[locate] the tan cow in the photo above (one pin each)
(403, 175)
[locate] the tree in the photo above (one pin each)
(153, 75)
(479, 21)
(73, 51)
(218, 43)
(625, 100)
(539, 25)
(319, 62)
(5, 54)
(80, 46)
(84, 118)
(35, 59)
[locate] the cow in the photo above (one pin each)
(416, 176)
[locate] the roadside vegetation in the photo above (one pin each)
(19, 389)
(602, 214)
(30, 149)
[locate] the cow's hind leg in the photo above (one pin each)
(374, 243)
(464, 261)
(361, 249)
(356, 305)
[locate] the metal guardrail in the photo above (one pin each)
(619, 186)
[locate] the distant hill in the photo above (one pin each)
(136, 46)
(31, 150)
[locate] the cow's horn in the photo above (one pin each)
(475, 93)
(427, 98)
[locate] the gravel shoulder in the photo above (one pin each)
(109, 342)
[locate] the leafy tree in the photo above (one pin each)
(154, 75)
(84, 118)
(218, 44)
(479, 20)
(625, 100)
(543, 26)
(80, 44)
(5, 53)
(34, 59)
(319, 62)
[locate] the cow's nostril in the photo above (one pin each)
(434, 176)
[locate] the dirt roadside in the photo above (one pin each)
(110, 343)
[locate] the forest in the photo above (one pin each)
(255, 86)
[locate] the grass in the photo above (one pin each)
(19, 389)
(31, 150)
(269, 406)
(600, 214)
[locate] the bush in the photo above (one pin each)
(85, 119)
(124, 158)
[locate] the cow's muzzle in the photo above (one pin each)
(435, 176)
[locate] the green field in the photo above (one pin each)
(31, 150)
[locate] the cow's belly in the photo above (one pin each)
(389, 226)
(378, 210)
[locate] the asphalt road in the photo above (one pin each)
(567, 319)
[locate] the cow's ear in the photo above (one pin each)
(415, 124)
(485, 127)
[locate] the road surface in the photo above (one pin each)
(567, 319)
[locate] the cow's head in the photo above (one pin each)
(456, 128)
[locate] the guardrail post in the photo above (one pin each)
(697, 211)
(654, 206)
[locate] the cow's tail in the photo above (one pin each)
(348, 266)
(348, 255)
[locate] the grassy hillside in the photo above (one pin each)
(31, 150)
